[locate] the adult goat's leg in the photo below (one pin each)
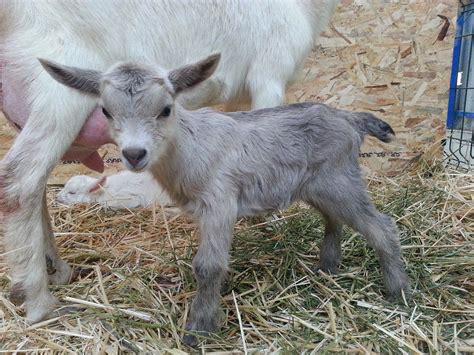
(270, 93)
(56, 118)
(59, 272)
(267, 79)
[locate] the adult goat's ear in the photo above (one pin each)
(84, 80)
(190, 75)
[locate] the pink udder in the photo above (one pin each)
(93, 134)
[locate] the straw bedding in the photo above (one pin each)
(136, 283)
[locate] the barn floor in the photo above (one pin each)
(136, 296)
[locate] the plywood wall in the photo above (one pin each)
(389, 57)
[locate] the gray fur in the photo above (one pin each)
(224, 166)
(219, 167)
(191, 75)
(84, 80)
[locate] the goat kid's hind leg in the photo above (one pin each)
(59, 272)
(210, 267)
(330, 250)
(345, 199)
(389, 253)
(381, 234)
(48, 133)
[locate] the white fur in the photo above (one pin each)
(262, 44)
(122, 190)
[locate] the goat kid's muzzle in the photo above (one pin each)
(135, 159)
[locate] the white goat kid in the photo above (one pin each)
(262, 44)
(122, 190)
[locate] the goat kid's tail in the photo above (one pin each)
(367, 123)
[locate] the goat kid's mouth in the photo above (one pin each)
(139, 167)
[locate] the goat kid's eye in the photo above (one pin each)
(106, 113)
(166, 112)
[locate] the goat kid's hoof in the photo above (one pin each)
(190, 340)
(17, 294)
(60, 309)
(330, 267)
(64, 309)
(399, 296)
(327, 269)
(40, 308)
(80, 272)
(59, 272)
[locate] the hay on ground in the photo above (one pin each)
(136, 296)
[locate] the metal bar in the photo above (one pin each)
(463, 114)
(463, 120)
(454, 72)
(453, 86)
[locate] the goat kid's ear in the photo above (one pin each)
(100, 183)
(84, 80)
(190, 75)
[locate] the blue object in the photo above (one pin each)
(461, 91)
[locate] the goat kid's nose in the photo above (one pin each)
(134, 155)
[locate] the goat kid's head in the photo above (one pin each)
(138, 100)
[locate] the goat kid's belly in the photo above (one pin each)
(255, 201)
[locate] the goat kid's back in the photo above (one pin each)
(264, 157)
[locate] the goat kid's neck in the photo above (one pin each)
(174, 169)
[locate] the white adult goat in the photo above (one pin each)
(262, 44)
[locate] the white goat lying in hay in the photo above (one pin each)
(122, 190)
(262, 44)
(221, 166)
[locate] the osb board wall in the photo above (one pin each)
(389, 57)
(392, 58)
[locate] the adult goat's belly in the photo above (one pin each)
(94, 133)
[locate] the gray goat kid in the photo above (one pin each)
(222, 166)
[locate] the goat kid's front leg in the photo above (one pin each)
(53, 125)
(210, 266)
